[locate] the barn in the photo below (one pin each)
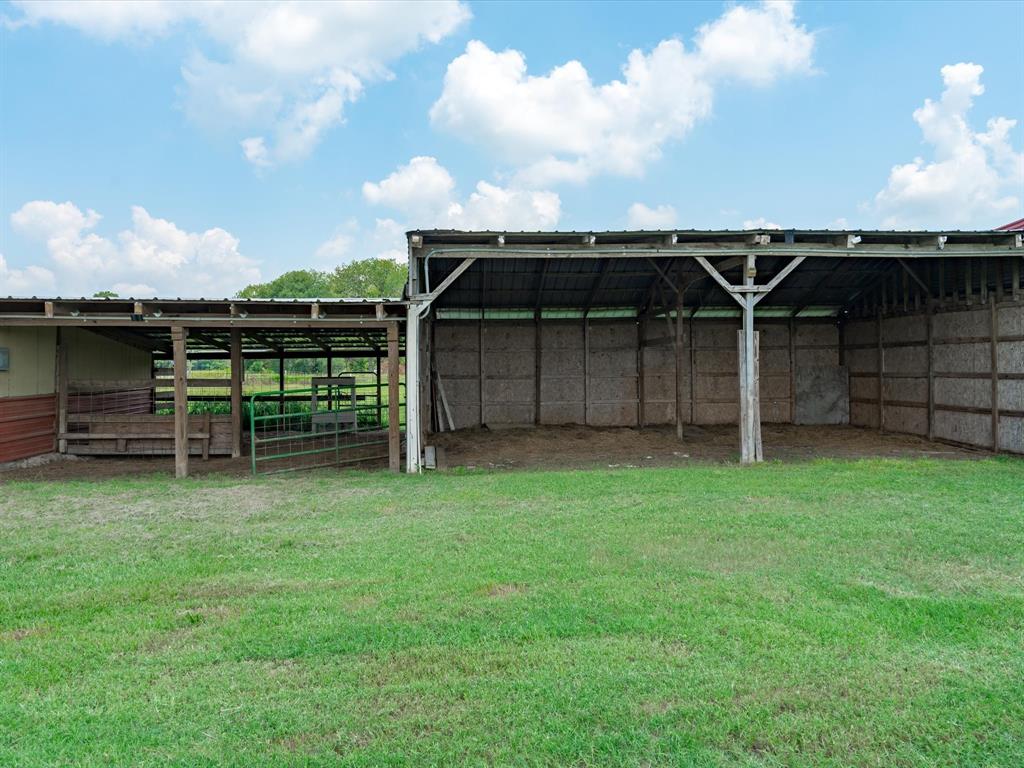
(901, 332)
(684, 335)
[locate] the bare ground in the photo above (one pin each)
(555, 448)
(577, 446)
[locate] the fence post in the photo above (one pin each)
(394, 435)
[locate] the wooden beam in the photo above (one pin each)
(237, 376)
(133, 339)
(179, 336)
(62, 389)
(595, 287)
(280, 385)
(394, 435)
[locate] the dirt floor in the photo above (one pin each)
(548, 448)
(573, 446)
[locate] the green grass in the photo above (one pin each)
(825, 614)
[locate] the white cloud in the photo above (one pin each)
(562, 127)
(639, 216)
(286, 70)
(756, 45)
(30, 281)
(423, 190)
(154, 256)
(974, 177)
(760, 223)
(385, 240)
(421, 187)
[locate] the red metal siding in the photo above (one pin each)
(28, 426)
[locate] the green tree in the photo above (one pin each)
(297, 284)
(105, 295)
(364, 279)
(368, 278)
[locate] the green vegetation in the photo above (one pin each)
(367, 278)
(824, 614)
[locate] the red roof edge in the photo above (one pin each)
(1013, 226)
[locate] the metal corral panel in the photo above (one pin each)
(28, 426)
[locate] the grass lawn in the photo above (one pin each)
(834, 613)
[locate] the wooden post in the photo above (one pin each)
(280, 385)
(237, 374)
(994, 347)
(881, 377)
(178, 341)
(62, 389)
(750, 416)
(380, 391)
(394, 435)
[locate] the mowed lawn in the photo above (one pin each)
(833, 613)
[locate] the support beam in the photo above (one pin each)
(62, 389)
(280, 385)
(237, 375)
(394, 434)
(413, 435)
(178, 342)
(747, 296)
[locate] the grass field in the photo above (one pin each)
(834, 613)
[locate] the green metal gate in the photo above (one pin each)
(333, 423)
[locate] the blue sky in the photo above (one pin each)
(180, 149)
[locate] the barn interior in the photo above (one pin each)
(126, 379)
(551, 349)
(902, 333)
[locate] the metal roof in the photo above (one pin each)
(620, 269)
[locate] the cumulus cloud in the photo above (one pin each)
(424, 191)
(561, 126)
(973, 179)
(640, 216)
(30, 281)
(352, 241)
(153, 256)
(281, 71)
(760, 223)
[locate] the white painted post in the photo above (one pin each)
(413, 437)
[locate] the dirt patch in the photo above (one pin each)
(21, 633)
(613, 447)
(505, 590)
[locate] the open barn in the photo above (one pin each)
(553, 349)
(697, 334)
(118, 378)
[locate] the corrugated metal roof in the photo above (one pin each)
(1013, 226)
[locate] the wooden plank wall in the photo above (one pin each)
(957, 374)
(614, 372)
